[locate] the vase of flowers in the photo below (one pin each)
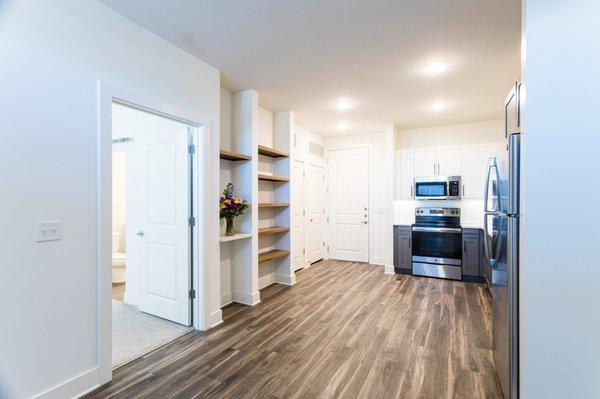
(230, 207)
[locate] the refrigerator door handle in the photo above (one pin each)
(492, 163)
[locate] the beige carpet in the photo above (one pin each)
(135, 333)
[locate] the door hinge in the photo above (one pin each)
(303, 250)
(327, 219)
(323, 243)
(192, 294)
(192, 149)
(327, 249)
(303, 212)
(191, 221)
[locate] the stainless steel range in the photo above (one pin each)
(437, 243)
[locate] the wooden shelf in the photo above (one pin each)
(273, 178)
(273, 230)
(274, 205)
(237, 236)
(272, 254)
(271, 152)
(233, 156)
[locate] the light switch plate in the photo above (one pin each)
(48, 231)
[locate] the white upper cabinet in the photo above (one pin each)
(474, 164)
(405, 170)
(449, 161)
(425, 162)
(468, 161)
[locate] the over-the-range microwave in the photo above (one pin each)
(438, 188)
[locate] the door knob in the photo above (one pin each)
(140, 233)
(365, 222)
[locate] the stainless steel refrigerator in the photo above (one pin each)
(501, 226)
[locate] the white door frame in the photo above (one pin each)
(324, 186)
(369, 148)
(107, 94)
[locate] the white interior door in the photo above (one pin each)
(158, 209)
(298, 210)
(316, 213)
(349, 204)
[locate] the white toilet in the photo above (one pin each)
(118, 259)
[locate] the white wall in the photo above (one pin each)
(560, 273)
(301, 151)
(450, 135)
(439, 136)
(58, 51)
(381, 197)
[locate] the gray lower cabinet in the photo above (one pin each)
(403, 249)
(473, 257)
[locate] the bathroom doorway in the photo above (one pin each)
(151, 231)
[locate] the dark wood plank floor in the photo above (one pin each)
(345, 330)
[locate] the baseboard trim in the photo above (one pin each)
(131, 299)
(226, 299)
(245, 298)
(389, 269)
(265, 281)
(215, 318)
(75, 387)
(285, 279)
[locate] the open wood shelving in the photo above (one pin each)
(272, 254)
(233, 156)
(272, 152)
(273, 178)
(272, 230)
(274, 205)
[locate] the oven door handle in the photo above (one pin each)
(437, 229)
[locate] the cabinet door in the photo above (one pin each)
(425, 162)
(474, 163)
(448, 161)
(406, 251)
(471, 255)
(405, 172)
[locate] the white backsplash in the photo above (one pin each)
(471, 211)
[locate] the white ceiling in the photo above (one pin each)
(305, 55)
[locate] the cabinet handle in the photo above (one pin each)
(411, 190)
(434, 169)
(465, 247)
(410, 242)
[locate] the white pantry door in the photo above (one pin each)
(316, 212)
(158, 209)
(297, 205)
(349, 204)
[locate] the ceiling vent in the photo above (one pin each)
(316, 149)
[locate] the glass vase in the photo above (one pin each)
(229, 226)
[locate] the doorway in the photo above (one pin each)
(151, 231)
(349, 204)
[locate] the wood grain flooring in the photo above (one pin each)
(345, 330)
(118, 291)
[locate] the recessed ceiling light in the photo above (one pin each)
(436, 68)
(343, 105)
(438, 106)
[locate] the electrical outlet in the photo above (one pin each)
(48, 231)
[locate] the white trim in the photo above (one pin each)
(389, 269)
(107, 94)
(216, 318)
(74, 387)
(285, 279)
(226, 299)
(131, 298)
(247, 299)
